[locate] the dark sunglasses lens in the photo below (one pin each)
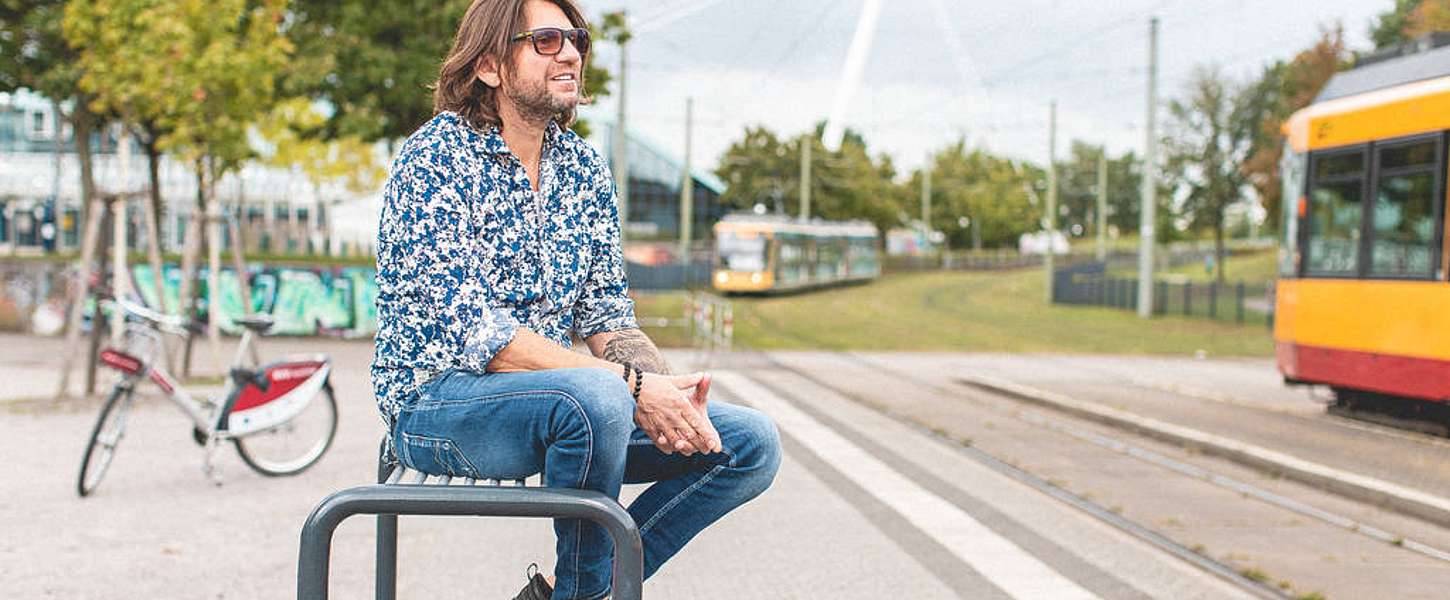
(548, 41)
(581, 40)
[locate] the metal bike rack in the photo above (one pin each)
(423, 494)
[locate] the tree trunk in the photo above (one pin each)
(153, 225)
(83, 122)
(81, 288)
(192, 242)
(214, 262)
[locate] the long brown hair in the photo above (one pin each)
(487, 28)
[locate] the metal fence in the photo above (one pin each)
(672, 276)
(1240, 302)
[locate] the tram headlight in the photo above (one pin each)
(755, 278)
(721, 278)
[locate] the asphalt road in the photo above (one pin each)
(867, 505)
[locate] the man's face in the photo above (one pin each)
(542, 86)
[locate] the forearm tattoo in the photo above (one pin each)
(634, 347)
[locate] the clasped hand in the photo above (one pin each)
(671, 410)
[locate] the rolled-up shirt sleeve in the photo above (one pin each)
(604, 304)
(429, 270)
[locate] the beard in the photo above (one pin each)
(536, 104)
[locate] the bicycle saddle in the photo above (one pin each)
(259, 323)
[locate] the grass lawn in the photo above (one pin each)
(1254, 268)
(963, 312)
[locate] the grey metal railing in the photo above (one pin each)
(422, 494)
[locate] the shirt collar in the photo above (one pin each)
(493, 138)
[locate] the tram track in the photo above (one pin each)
(1094, 509)
(1066, 426)
(1197, 472)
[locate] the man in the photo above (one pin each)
(499, 239)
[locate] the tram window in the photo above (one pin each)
(740, 252)
(1403, 221)
(1341, 165)
(1420, 154)
(1335, 214)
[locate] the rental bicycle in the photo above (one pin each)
(281, 416)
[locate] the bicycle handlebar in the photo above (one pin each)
(171, 323)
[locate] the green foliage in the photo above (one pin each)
(1389, 28)
(1077, 180)
(1428, 17)
(758, 168)
(372, 64)
(954, 311)
(1212, 131)
(845, 184)
(986, 189)
(36, 55)
(202, 70)
(1283, 88)
(292, 130)
(376, 67)
(609, 27)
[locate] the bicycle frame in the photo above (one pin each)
(242, 409)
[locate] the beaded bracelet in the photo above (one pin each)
(638, 381)
(626, 374)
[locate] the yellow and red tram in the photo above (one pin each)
(770, 254)
(1362, 303)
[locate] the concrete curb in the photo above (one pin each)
(1392, 496)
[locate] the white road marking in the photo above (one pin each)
(1006, 565)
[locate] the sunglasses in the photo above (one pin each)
(549, 41)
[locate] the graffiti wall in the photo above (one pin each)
(333, 301)
(305, 301)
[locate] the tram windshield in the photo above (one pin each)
(740, 252)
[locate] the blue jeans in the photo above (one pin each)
(577, 427)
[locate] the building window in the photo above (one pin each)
(40, 126)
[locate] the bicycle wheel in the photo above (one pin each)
(109, 429)
(289, 448)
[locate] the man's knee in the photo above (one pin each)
(757, 450)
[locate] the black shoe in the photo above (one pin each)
(537, 588)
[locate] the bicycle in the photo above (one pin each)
(267, 411)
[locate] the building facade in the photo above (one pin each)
(278, 210)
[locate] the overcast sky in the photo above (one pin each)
(941, 69)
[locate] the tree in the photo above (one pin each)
(1283, 88)
(1408, 20)
(759, 170)
(1428, 17)
(291, 131)
(988, 190)
(846, 184)
(201, 72)
(1211, 132)
(38, 59)
(1389, 28)
(375, 68)
(1078, 188)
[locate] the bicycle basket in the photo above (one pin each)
(135, 352)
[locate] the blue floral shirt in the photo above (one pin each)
(468, 252)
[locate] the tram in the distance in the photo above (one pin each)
(763, 253)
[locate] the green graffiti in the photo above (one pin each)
(303, 302)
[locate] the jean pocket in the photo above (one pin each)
(435, 456)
